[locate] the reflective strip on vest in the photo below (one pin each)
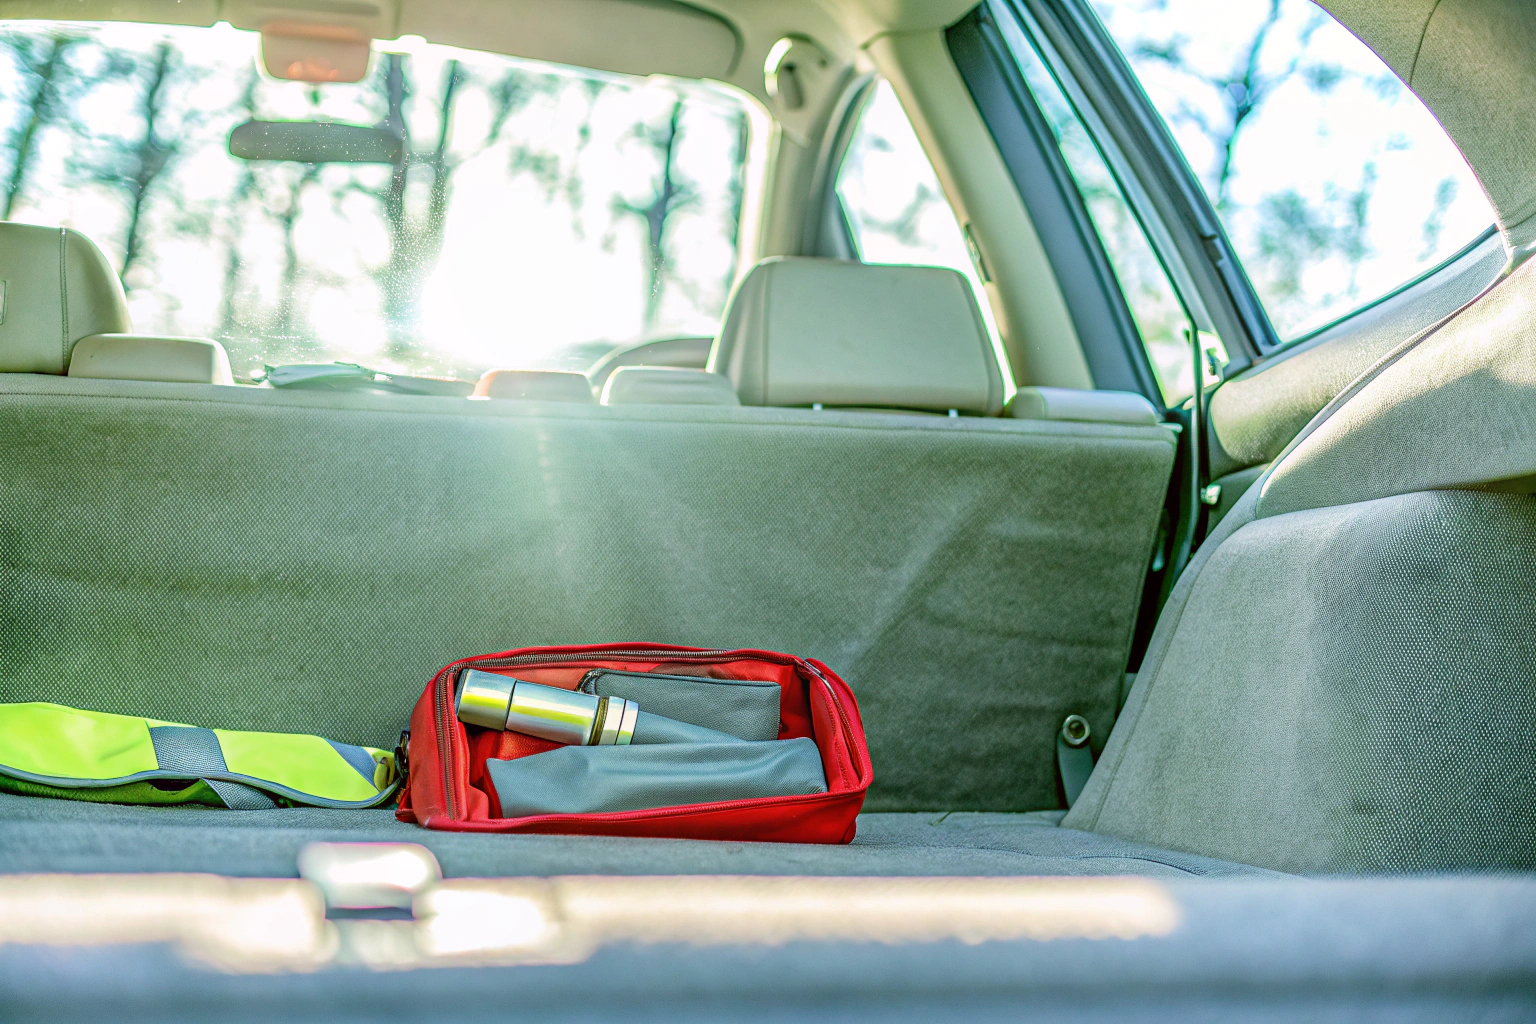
(80, 751)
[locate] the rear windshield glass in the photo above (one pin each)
(538, 217)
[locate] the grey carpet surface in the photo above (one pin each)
(1346, 690)
(43, 835)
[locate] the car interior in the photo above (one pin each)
(1293, 606)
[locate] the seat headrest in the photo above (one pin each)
(667, 385)
(536, 385)
(801, 331)
(58, 288)
(146, 357)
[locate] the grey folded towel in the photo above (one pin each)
(651, 728)
(745, 708)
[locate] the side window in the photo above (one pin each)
(892, 200)
(1333, 181)
(1150, 296)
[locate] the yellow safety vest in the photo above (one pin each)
(51, 750)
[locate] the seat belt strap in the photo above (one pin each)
(1074, 757)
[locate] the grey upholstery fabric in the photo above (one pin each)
(1255, 415)
(289, 561)
(38, 834)
(1453, 410)
(592, 780)
(1346, 689)
(1342, 680)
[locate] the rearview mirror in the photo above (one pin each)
(316, 142)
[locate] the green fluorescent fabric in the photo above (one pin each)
(61, 743)
(300, 562)
(139, 793)
(51, 750)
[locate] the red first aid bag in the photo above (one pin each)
(447, 786)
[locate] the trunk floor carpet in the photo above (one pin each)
(43, 835)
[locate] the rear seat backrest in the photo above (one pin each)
(803, 331)
(281, 560)
(59, 288)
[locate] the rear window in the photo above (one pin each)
(540, 216)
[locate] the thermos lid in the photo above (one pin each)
(484, 698)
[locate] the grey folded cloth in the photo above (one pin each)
(745, 708)
(592, 780)
(651, 728)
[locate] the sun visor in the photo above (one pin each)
(314, 53)
(323, 40)
(165, 12)
(317, 41)
(656, 37)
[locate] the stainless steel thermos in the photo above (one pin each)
(568, 716)
(548, 712)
